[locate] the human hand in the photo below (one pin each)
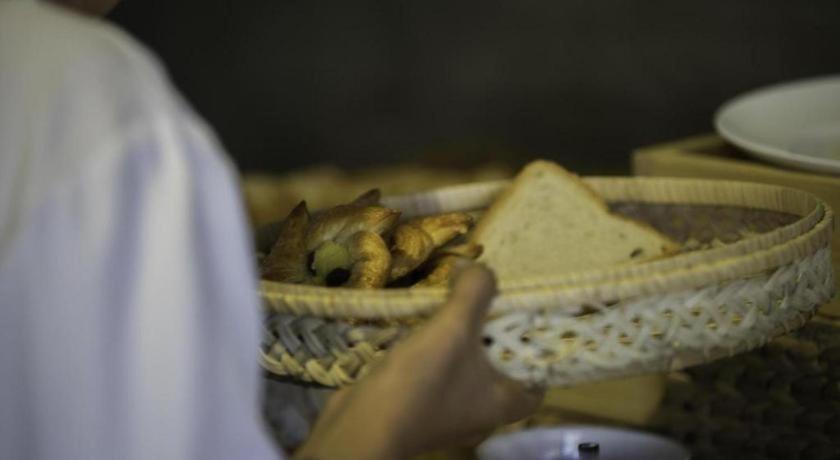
(434, 389)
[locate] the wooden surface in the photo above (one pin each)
(710, 157)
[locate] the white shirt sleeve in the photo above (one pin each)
(130, 306)
(128, 309)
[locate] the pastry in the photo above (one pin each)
(345, 246)
(444, 261)
(340, 223)
(416, 239)
(371, 261)
(341, 246)
(286, 262)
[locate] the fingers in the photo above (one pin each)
(475, 439)
(517, 401)
(473, 288)
(337, 399)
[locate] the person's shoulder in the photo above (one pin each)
(85, 85)
(79, 93)
(55, 31)
(61, 51)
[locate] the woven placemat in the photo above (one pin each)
(779, 401)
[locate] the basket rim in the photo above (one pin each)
(397, 303)
(325, 351)
(780, 246)
(743, 247)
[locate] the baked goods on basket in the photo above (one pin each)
(346, 246)
(271, 197)
(598, 277)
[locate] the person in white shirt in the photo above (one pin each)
(128, 309)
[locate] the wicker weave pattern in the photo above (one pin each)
(658, 333)
(331, 353)
(648, 334)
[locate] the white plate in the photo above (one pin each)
(570, 443)
(792, 124)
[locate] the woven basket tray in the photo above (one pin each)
(756, 264)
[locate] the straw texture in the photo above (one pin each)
(756, 264)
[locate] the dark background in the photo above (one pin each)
(293, 83)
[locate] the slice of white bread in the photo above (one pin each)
(550, 222)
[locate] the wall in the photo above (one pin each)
(291, 83)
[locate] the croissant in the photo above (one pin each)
(369, 198)
(371, 261)
(442, 265)
(286, 262)
(340, 246)
(340, 223)
(416, 239)
(344, 246)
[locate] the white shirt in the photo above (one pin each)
(128, 309)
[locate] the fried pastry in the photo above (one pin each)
(286, 262)
(371, 261)
(443, 262)
(345, 246)
(369, 198)
(340, 246)
(340, 223)
(416, 239)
